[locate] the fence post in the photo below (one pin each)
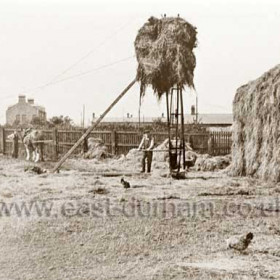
(55, 144)
(210, 144)
(114, 142)
(3, 140)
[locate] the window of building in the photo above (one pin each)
(17, 118)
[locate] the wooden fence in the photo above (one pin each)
(58, 142)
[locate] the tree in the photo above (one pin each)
(61, 121)
(38, 121)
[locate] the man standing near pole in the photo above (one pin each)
(147, 145)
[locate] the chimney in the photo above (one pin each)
(21, 99)
(30, 101)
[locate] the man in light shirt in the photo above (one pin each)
(147, 145)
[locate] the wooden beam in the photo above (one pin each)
(183, 128)
(89, 130)
(168, 110)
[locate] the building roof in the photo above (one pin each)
(215, 119)
(211, 118)
(39, 107)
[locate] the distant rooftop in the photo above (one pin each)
(208, 119)
(211, 118)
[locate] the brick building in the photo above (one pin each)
(24, 111)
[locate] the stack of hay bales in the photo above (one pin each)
(164, 51)
(96, 149)
(256, 128)
(207, 163)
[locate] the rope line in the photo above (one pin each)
(74, 76)
(86, 72)
(54, 81)
(93, 50)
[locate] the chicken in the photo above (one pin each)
(241, 242)
(125, 184)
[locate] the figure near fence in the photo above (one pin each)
(147, 145)
(14, 137)
(33, 141)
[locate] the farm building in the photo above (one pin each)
(24, 111)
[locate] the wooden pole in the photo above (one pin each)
(177, 123)
(168, 125)
(182, 128)
(84, 116)
(86, 134)
(196, 109)
(139, 113)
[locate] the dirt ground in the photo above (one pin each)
(82, 224)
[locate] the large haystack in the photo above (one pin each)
(256, 128)
(164, 50)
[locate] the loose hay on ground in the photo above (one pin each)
(96, 149)
(208, 163)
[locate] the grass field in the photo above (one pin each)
(78, 224)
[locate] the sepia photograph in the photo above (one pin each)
(139, 139)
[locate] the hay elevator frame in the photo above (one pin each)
(175, 123)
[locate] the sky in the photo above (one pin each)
(70, 53)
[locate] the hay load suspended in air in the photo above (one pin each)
(164, 51)
(256, 128)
